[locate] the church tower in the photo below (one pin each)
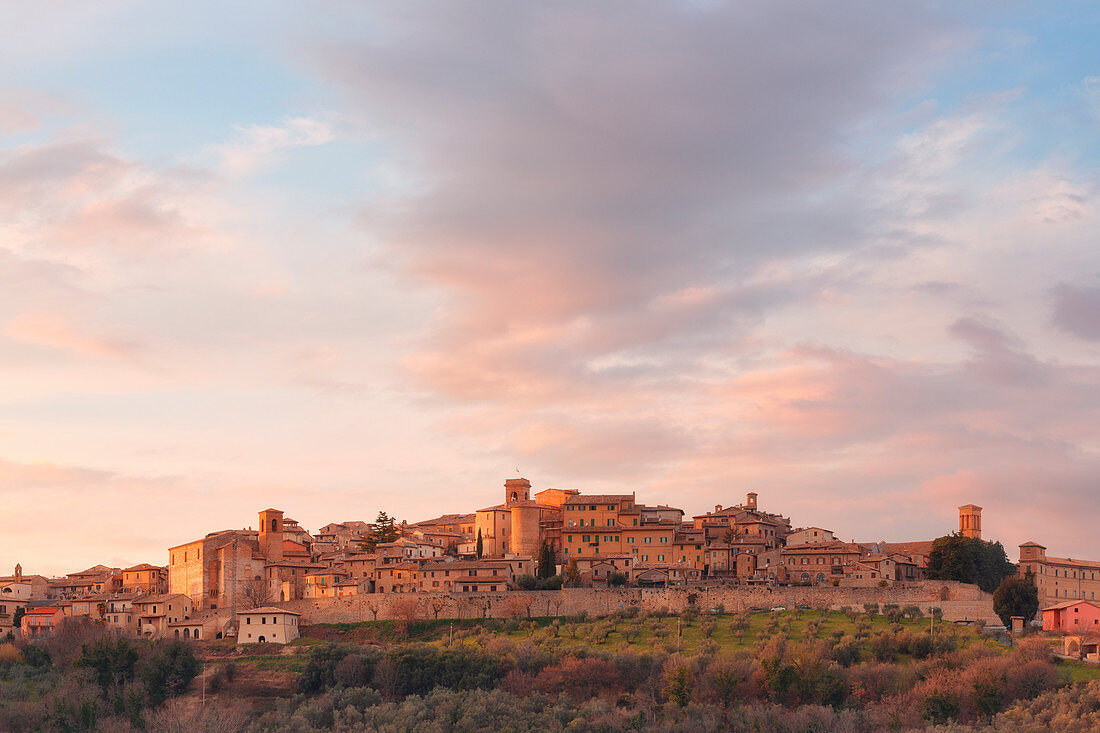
(970, 521)
(271, 534)
(516, 489)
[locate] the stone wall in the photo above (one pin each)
(957, 600)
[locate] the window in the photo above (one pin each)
(592, 508)
(570, 538)
(610, 522)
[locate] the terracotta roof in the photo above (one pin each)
(1071, 562)
(1033, 544)
(643, 566)
(162, 598)
(833, 546)
(1069, 604)
(920, 547)
(598, 498)
(144, 566)
(268, 609)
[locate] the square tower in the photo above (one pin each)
(271, 534)
(970, 521)
(516, 489)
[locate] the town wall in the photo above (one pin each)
(958, 601)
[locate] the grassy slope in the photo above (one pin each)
(648, 634)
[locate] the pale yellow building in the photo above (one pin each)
(267, 625)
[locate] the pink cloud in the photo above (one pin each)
(43, 329)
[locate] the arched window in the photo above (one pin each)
(274, 525)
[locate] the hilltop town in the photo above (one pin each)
(229, 582)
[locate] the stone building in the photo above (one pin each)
(746, 521)
(215, 571)
(1060, 579)
(809, 536)
(145, 578)
(520, 524)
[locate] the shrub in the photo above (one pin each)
(554, 582)
(168, 670)
(940, 707)
(678, 683)
(884, 646)
(846, 651)
(355, 670)
(320, 670)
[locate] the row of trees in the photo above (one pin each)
(890, 680)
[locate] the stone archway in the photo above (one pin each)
(262, 640)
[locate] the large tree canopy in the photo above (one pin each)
(383, 530)
(1016, 596)
(969, 560)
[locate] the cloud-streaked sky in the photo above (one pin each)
(342, 257)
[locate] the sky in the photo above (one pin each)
(345, 257)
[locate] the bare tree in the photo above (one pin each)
(256, 592)
(406, 610)
(438, 603)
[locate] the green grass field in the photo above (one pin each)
(641, 634)
(616, 634)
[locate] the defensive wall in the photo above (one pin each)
(958, 601)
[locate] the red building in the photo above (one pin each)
(1072, 617)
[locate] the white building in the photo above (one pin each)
(268, 624)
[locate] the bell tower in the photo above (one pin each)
(516, 489)
(970, 521)
(271, 534)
